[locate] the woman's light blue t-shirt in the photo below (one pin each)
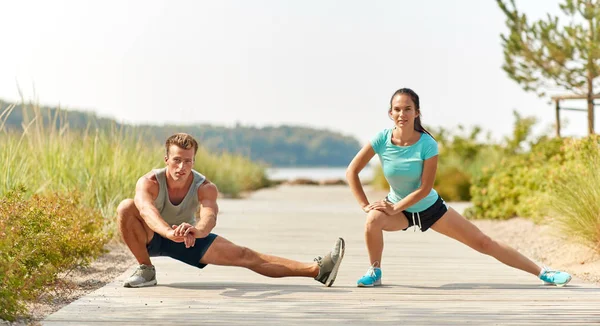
(403, 166)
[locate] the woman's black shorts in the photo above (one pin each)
(428, 216)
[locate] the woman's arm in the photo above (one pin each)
(358, 163)
(427, 180)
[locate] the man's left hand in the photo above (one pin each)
(188, 232)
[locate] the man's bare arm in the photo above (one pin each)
(145, 192)
(207, 219)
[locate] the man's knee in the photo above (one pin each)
(245, 257)
(126, 207)
(126, 212)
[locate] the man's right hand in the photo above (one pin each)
(189, 239)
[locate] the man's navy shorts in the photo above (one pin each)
(160, 246)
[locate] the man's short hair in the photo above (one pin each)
(181, 140)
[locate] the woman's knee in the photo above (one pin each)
(484, 244)
(375, 220)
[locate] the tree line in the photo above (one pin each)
(278, 146)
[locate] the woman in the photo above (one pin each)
(409, 157)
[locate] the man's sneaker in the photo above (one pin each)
(551, 277)
(329, 265)
(144, 275)
(371, 278)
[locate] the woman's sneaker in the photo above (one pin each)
(371, 278)
(330, 264)
(144, 275)
(551, 277)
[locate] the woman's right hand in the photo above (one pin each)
(367, 208)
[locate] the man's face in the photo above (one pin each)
(179, 162)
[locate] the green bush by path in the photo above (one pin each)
(574, 193)
(515, 185)
(557, 178)
(41, 236)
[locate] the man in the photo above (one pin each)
(161, 221)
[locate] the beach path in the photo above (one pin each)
(428, 279)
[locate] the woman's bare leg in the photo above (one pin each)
(376, 223)
(455, 226)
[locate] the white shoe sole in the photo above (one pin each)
(558, 285)
(334, 271)
(141, 285)
(563, 284)
(377, 283)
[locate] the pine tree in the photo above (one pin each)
(544, 55)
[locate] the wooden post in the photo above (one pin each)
(557, 118)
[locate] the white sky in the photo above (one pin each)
(318, 63)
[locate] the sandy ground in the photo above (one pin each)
(546, 246)
(538, 242)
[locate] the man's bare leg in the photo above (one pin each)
(225, 253)
(134, 231)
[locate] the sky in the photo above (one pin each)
(317, 63)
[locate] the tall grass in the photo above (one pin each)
(574, 196)
(103, 165)
(233, 174)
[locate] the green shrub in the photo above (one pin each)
(453, 184)
(40, 237)
(515, 185)
(574, 195)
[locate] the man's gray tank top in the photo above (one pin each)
(186, 210)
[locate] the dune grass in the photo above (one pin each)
(574, 196)
(103, 165)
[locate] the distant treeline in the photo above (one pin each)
(274, 146)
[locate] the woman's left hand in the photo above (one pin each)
(383, 206)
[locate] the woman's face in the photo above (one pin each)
(403, 111)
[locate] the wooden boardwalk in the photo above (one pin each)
(428, 279)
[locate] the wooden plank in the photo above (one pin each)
(428, 279)
(574, 109)
(573, 97)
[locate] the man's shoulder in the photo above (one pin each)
(148, 181)
(150, 176)
(207, 190)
